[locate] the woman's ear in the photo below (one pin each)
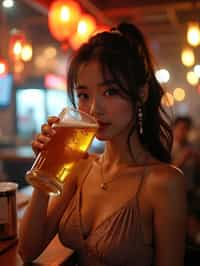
(144, 93)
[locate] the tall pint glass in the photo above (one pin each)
(74, 134)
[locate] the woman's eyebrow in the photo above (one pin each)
(100, 84)
(80, 87)
(107, 82)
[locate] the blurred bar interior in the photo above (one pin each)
(35, 50)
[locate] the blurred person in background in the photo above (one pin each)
(130, 207)
(185, 154)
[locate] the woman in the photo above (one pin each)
(129, 207)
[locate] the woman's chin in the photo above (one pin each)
(102, 137)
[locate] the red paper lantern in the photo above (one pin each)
(86, 26)
(63, 18)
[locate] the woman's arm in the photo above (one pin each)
(41, 219)
(168, 198)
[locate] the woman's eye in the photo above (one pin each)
(83, 96)
(111, 91)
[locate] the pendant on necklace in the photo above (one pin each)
(103, 186)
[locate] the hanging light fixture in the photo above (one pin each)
(27, 52)
(16, 43)
(197, 70)
(86, 26)
(193, 33)
(162, 75)
(192, 78)
(187, 57)
(8, 3)
(63, 18)
(179, 94)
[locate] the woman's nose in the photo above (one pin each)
(96, 108)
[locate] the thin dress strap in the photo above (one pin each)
(141, 182)
(85, 173)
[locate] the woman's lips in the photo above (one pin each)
(103, 124)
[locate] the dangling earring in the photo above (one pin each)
(140, 119)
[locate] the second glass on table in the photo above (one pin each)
(74, 134)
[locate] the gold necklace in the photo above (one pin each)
(104, 184)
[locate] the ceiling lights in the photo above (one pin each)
(187, 57)
(193, 34)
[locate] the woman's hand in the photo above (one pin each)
(45, 136)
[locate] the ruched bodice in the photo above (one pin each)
(117, 241)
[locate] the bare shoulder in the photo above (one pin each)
(165, 175)
(166, 182)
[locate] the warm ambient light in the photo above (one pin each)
(18, 67)
(27, 52)
(16, 42)
(17, 49)
(192, 78)
(50, 52)
(8, 3)
(40, 62)
(179, 94)
(63, 18)
(86, 26)
(193, 34)
(187, 57)
(197, 70)
(162, 75)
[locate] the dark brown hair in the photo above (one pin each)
(124, 53)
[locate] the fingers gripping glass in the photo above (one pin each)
(74, 134)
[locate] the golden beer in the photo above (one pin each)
(58, 159)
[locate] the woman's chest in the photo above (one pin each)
(99, 206)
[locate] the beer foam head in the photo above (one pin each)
(74, 123)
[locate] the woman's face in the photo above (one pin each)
(100, 97)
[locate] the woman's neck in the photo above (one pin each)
(119, 153)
